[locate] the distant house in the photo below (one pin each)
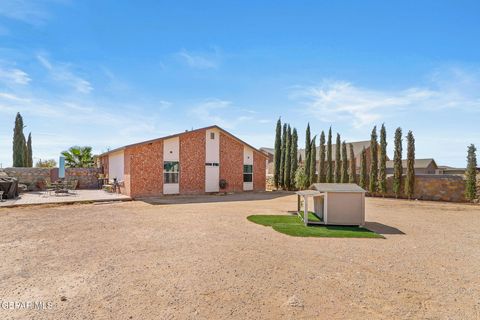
(422, 166)
(357, 150)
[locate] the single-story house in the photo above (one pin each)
(205, 160)
(422, 166)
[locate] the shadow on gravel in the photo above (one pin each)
(244, 196)
(382, 228)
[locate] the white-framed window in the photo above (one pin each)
(171, 170)
(247, 173)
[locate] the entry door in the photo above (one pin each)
(212, 177)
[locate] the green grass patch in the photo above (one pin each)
(294, 226)
(311, 216)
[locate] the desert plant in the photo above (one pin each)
(49, 163)
(78, 157)
(300, 177)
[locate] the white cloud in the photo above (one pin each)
(31, 12)
(199, 61)
(61, 73)
(343, 101)
(14, 76)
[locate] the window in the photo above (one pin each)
(170, 171)
(212, 135)
(211, 164)
(247, 173)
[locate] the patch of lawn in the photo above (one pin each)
(294, 226)
(311, 216)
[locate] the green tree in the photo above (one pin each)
(397, 163)
(344, 163)
(471, 174)
(50, 163)
(288, 159)
(353, 166)
(294, 155)
(410, 178)
(321, 168)
(277, 153)
(363, 169)
(338, 160)
(19, 145)
(308, 142)
(329, 157)
(300, 177)
(373, 181)
(78, 157)
(313, 162)
(29, 151)
(282, 158)
(382, 176)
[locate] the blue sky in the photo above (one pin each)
(105, 73)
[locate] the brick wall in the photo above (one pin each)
(192, 162)
(259, 171)
(231, 163)
(146, 169)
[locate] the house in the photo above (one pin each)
(357, 150)
(422, 166)
(205, 160)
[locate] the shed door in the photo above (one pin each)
(212, 177)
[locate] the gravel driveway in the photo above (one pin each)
(199, 258)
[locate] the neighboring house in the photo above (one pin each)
(269, 152)
(422, 166)
(357, 150)
(191, 162)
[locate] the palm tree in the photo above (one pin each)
(78, 157)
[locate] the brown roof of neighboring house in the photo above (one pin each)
(419, 163)
(179, 134)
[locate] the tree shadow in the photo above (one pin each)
(382, 228)
(206, 198)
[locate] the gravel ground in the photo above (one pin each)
(199, 258)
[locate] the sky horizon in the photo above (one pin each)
(108, 74)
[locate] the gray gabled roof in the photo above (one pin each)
(419, 163)
(336, 187)
(268, 150)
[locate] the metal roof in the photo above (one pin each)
(336, 187)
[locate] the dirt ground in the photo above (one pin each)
(199, 258)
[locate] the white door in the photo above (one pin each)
(212, 177)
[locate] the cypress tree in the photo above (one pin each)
(29, 151)
(373, 181)
(363, 169)
(313, 162)
(338, 160)
(19, 146)
(308, 142)
(329, 157)
(353, 166)
(294, 160)
(321, 169)
(410, 179)
(382, 176)
(471, 174)
(277, 153)
(397, 163)
(288, 159)
(344, 163)
(282, 157)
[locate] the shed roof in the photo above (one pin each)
(336, 187)
(419, 163)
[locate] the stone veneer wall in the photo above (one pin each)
(34, 178)
(435, 187)
(192, 162)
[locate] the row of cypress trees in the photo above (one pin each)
(373, 179)
(285, 157)
(22, 148)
